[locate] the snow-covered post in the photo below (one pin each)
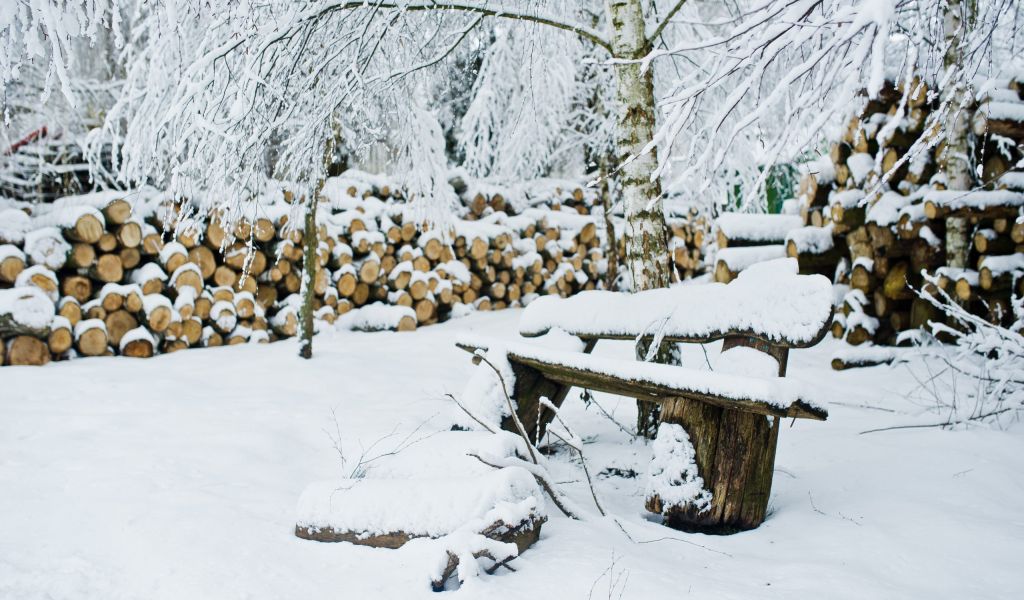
(958, 17)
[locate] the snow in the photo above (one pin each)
(672, 474)
(119, 485)
(976, 199)
(100, 199)
(148, 272)
(860, 165)
(886, 210)
(1014, 180)
(170, 249)
(441, 505)
(738, 259)
(811, 240)
(13, 225)
(26, 277)
(377, 316)
(87, 324)
(11, 251)
(997, 265)
(65, 216)
(769, 298)
(846, 198)
(46, 246)
(135, 335)
(1004, 111)
(29, 306)
(185, 268)
(151, 302)
(757, 228)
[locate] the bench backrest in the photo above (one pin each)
(769, 307)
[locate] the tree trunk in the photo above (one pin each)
(959, 16)
(310, 241)
(647, 257)
(612, 272)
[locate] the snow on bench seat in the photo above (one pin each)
(773, 396)
(386, 513)
(769, 301)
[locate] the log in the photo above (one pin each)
(895, 284)
(61, 337)
(11, 266)
(82, 256)
(108, 269)
(91, 337)
(76, 286)
(137, 343)
(118, 323)
(26, 350)
(87, 228)
(129, 235)
(203, 257)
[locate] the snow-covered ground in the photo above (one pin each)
(178, 477)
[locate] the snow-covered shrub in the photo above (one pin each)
(673, 476)
(989, 356)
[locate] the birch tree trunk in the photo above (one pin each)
(310, 259)
(645, 236)
(646, 258)
(959, 17)
(310, 241)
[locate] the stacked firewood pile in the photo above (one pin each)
(746, 239)
(115, 284)
(688, 225)
(875, 218)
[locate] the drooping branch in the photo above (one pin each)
(654, 35)
(481, 9)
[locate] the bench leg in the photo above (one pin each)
(530, 386)
(735, 457)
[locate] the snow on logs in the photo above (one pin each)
(107, 274)
(875, 216)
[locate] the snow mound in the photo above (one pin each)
(418, 507)
(28, 306)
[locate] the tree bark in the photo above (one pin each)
(310, 241)
(647, 257)
(959, 16)
(310, 258)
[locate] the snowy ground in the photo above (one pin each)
(177, 477)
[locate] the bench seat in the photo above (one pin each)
(772, 396)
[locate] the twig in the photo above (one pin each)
(479, 356)
(667, 539)
(949, 423)
(471, 415)
(586, 471)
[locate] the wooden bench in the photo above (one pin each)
(732, 418)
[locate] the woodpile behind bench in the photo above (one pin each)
(121, 286)
(878, 236)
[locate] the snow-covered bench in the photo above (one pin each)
(768, 310)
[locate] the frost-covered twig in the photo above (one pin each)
(479, 357)
(577, 445)
(470, 414)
